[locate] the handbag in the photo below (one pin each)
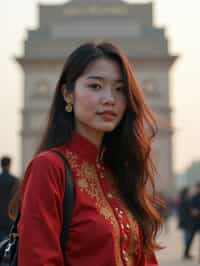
(9, 246)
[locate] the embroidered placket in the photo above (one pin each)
(121, 218)
(92, 180)
(88, 182)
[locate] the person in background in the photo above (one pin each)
(100, 122)
(8, 184)
(185, 220)
(195, 212)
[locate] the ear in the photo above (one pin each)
(66, 94)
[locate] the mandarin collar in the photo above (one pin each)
(84, 148)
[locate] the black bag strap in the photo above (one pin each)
(68, 200)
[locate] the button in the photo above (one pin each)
(121, 212)
(122, 226)
(109, 195)
(102, 176)
(119, 216)
(127, 226)
(125, 237)
(98, 165)
(126, 259)
(124, 252)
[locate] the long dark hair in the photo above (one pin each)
(128, 146)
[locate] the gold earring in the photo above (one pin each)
(69, 101)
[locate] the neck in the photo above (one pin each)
(93, 136)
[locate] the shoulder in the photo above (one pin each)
(9, 178)
(46, 169)
(47, 158)
(13, 179)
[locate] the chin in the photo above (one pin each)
(106, 129)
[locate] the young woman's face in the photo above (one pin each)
(99, 98)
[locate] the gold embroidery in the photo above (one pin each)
(88, 182)
(133, 245)
(83, 183)
(132, 226)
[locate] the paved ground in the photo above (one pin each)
(172, 254)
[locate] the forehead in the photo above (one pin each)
(105, 68)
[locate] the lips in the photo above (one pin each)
(107, 112)
(107, 115)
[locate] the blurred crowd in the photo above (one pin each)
(185, 206)
(189, 216)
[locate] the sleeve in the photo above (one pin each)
(146, 259)
(149, 260)
(40, 223)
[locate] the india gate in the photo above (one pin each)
(63, 27)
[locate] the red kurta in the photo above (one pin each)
(102, 233)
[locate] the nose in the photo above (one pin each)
(108, 97)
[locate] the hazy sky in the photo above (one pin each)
(181, 20)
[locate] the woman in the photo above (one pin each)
(99, 121)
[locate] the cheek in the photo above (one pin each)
(85, 104)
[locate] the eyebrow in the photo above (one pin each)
(102, 78)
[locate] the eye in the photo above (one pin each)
(95, 86)
(120, 89)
